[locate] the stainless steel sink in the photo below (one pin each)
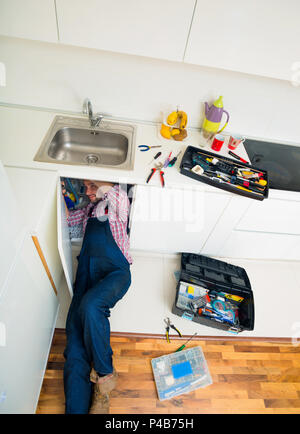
(73, 141)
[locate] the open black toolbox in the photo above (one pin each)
(227, 286)
(188, 162)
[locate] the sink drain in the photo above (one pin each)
(91, 159)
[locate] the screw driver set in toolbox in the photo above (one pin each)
(218, 171)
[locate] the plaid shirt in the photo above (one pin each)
(118, 205)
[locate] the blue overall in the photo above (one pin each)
(102, 278)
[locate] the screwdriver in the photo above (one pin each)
(167, 161)
(155, 157)
(184, 345)
(238, 157)
(173, 161)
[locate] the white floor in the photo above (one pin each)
(275, 285)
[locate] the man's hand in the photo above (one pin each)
(103, 187)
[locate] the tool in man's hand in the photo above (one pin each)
(184, 345)
(168, 326)
(145, 148)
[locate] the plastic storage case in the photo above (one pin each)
(217, 278)
(187, 164)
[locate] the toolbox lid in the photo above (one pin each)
(220, 273)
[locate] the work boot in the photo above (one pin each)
(102, 388)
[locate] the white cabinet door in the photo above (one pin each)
(35, 194)
(32, 19)
(254, 245)
(256, 37)
(28, 309)
(252, 229)
(12, 227)
(174, 220)
(293, 251)
(64, 242)
(147, 28)
(272, 216)
(232, 211)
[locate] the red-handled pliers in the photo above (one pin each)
(161, 174)
(162, 178)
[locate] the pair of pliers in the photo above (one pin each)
(170, 325)
(158, 166)
(145, 148)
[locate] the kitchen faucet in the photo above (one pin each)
(88, 110)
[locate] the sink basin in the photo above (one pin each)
(87, 147)
(73, 141)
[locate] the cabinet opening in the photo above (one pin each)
(75, 198)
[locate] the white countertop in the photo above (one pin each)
(23, 129)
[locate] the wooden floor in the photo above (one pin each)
(248, 377)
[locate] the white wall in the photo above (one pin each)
(60, 77)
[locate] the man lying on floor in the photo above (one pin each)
(102, 279)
